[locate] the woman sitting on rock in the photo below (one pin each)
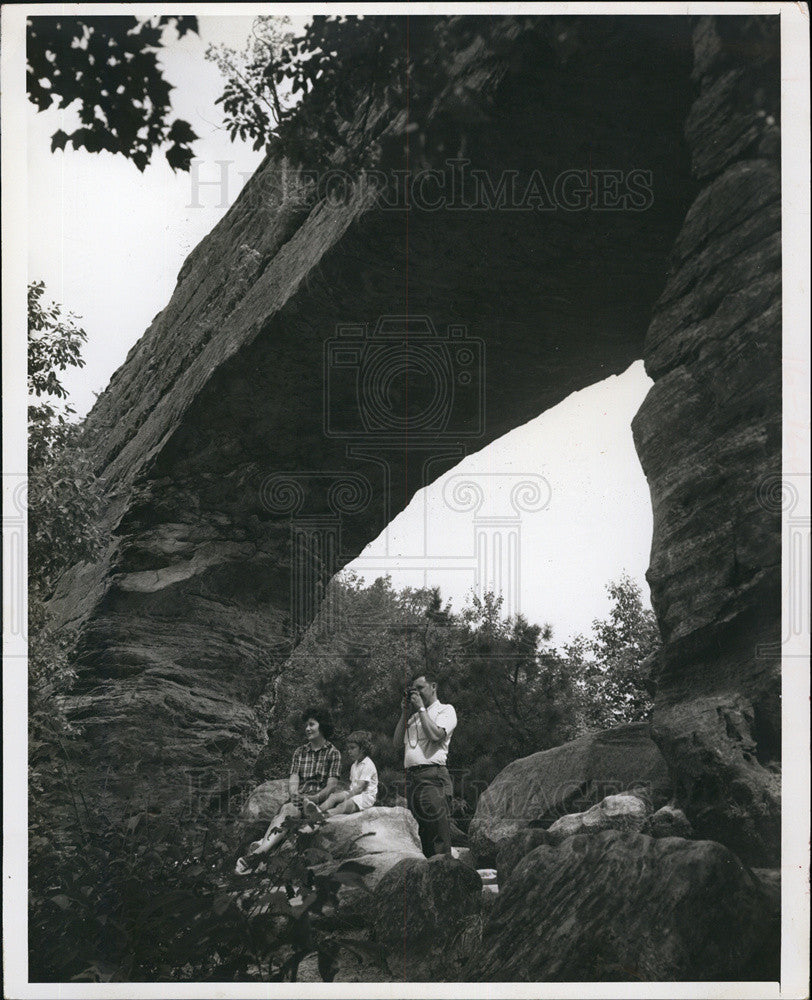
(313, 777)
(363, 788)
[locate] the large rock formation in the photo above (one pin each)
(198, 596)
(709, 439)
(624, 906)
(381, 837)
(189, 613)
(266, 800)
(553, 783)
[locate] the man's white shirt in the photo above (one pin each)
(418, 748)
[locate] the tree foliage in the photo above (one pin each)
(326, 96)
(613, 667)
(511, 685)
(109, 68)
(514, 691)
(252, 101)
(63, 493)
(65, 500)
(153, 897)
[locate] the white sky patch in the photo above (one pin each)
(109, 241)
(596, 525)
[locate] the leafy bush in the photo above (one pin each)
(153, 897)
(613, 669)
(64, 495)
(324, 97)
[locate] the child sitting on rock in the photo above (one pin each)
(363, 788)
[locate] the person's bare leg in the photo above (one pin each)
(272, 836)
(333, 800)
(276, 829)
(343, 809)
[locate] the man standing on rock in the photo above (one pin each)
(424, 731)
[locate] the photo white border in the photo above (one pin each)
(796, 231)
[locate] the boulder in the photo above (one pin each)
(266, 800)
(380, 837)
(615, 812)
(464, 855)
(625, 906)
(420, 905)
(379, 830)
(570, 778)
(511, 850)
(668, 822)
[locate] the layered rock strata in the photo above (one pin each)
(624, 906)
(709, 439)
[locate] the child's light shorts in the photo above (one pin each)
(366, 800)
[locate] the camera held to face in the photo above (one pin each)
(409, 693)
(404, 378)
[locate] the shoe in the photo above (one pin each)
(248, 862)
(312, 813)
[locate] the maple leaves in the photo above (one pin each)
(108, 68)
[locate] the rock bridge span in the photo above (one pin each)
(187, 615)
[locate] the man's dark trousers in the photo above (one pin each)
(427, 788)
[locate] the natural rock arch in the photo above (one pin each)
(183, 619)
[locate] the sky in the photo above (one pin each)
(109, 241)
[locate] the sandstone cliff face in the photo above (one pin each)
(187, 617)
(709, 439)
